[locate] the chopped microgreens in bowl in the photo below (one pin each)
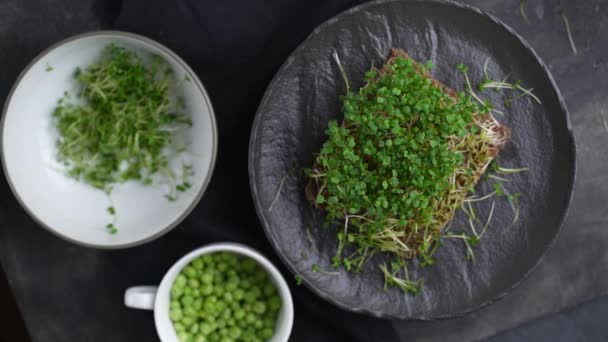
(122, 126)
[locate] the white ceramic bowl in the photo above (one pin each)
(74, 210)
(158, 298)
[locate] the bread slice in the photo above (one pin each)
(498, 137)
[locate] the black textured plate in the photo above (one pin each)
(304, 96)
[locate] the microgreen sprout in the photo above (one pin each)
(341, 68)
(316, 269)
(49, 68)
(392, 277)
(522, 10)
(276, 196)
(489, 83)
(562, 13)
(298, 279)
(505, 170)
(111, 228)
(311, 240)
(469, 242)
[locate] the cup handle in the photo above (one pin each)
(141, 297)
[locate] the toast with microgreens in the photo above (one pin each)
(406, 156)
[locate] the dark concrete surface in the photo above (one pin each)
(70, 293)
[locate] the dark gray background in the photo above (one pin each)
(69, 293)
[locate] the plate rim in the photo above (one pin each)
(375, 313)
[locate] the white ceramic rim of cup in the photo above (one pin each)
(192, 76)
(282, 332)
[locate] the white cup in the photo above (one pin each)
(157, 298)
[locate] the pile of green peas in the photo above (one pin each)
(224, 297)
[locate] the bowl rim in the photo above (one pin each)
(240, 249)
(189, 72)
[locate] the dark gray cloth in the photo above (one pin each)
(70, 293)
(585, 323)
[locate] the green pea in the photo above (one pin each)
(228, 297)
(198, 264)
(222, 266)
(220, 306)
(200, 338)
(218, 279)
(179, 327)
(249, 297)
(249, 334)
(255, 291)
(242, 323)
(221, 324)
(197, 304)
(186, 300)
(214, 337)
(226, 339)
(196, 292)
(231, 286)
(250, 318)
(267, 333)
(238, 294)
(207, 278)
(259, 307)
(190, 272)
(230, 322)
(239, 314)
(182, 336)
(274, 303)
(194, 328)
(206, 259)
(248, 265)
(175, 305)
(193, 283)
(269, 289)
(175, 314)
(180, 280)
(190, 311)
(206, 328)
(187, 291)
(218, 291)
(258, 325)
(260, 275)
(186, 320)
(176, 291)
(235, 332)
(207, 289)
(269, 322)
(245, 284)
(209, 306)
(226, 313)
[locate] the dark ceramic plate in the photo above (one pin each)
(304, 96)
